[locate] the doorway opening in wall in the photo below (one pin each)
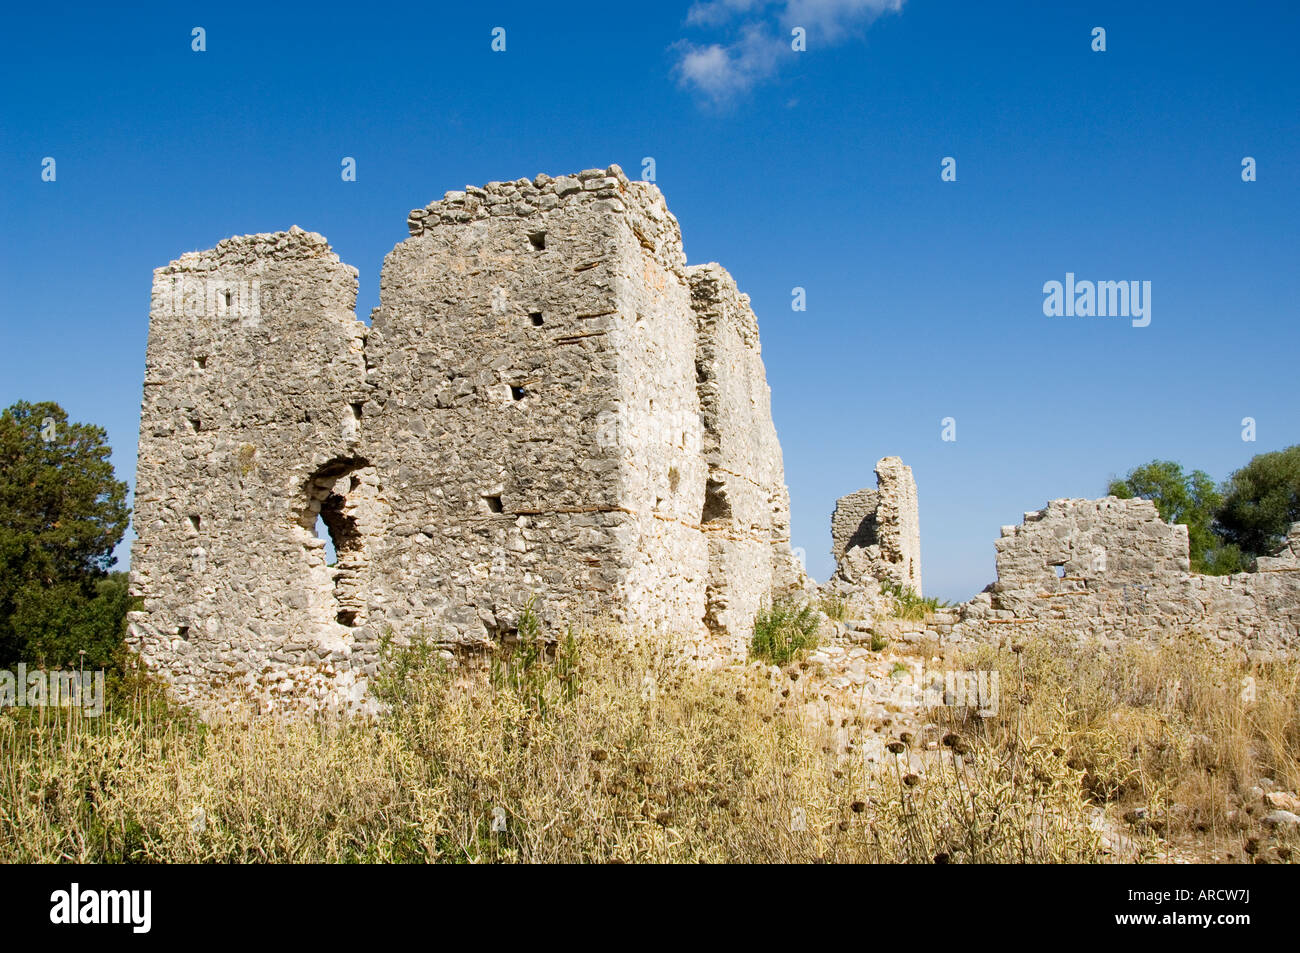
(342, 510)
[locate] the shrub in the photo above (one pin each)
(783, 631)
(534, 668)
(908, 605)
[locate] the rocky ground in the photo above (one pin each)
(873, 683)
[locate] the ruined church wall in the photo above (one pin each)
(253, 364)
(746, 506)
(532, 333)
(1112, 569)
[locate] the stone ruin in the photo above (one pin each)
(876, 534)
(1112, 569)
(549, 405)
(1101, 570)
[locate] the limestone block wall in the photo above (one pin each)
(1074, 546)
(876, 534)
(659, 433)
(1113, 569)
(853, 522)
(549, 405)
(527, 344)
(253, 368)
(746, 509)
(898, 520)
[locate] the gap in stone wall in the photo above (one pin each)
(323, 532)
(338, 499)
(716, 504)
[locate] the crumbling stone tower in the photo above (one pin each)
(548, 405)
(876, 534)
(254, 378)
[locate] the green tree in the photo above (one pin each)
(1188, 498)
(62, 512)
(1261, 501)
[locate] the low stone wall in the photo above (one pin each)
(1111, 569)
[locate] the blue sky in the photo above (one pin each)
(818, 169)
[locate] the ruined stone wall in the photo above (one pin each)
(536, 374)
(1112, 569)
(746, 510)
(253, 367)
(543, 408)
(876, 534)
(853, 522)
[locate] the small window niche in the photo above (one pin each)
(493, 503)
(356, 410)
(1060, 570)
(716, 504)
(196, 521)
(517, 392)
(537, 240)
(537, 319)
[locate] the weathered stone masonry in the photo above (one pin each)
(876, 534)
(548, 404)
(1112, 569)
(1097, 570)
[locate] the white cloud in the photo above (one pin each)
(714, 12)
(833, 19)
(721, 70)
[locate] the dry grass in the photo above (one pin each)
(615, 753)
(1171, 731)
